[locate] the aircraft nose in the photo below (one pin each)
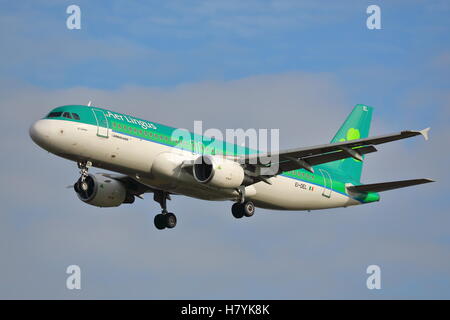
(39, 132)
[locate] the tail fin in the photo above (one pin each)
(356, 126)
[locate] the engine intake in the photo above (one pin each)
(218, 172)
(101, 191)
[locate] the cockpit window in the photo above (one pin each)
(54, 114)
(67, 115)
(75, 116)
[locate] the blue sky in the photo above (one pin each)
(295, 65)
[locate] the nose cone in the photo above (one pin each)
(40, 133)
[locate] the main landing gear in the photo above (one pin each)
(241, 209)
(165, 219)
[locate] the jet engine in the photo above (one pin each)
(218, 172)
(102, 191)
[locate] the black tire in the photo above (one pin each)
(160, 222)
(171, 220)
(249, 209)
(237, 210)
(76, 187)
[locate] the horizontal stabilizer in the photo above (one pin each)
(385, 186)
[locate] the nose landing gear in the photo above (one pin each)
(84, 168)
(165, 219)
(82, 185)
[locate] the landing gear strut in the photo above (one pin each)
(82, 184)
(165, 219)
(240, 210)
(84, 168)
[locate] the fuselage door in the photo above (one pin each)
(327, 183)
(102, 123)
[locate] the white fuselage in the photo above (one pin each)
(160, 166)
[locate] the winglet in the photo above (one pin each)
(424, 132)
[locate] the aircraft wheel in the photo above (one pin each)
(249, 209)
(160, 221)
(237, 210)
(76, 187)
(171, 220)
(84, 186)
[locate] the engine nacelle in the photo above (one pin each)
(101, 191)
(218, 172)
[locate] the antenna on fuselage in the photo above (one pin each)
(89, 104)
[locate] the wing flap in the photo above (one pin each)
(385, 186)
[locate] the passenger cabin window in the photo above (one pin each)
(67, 115)
(54, 114)
(75, 116)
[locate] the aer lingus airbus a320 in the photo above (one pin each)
(149, 158)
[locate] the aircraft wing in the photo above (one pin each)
(305, 158)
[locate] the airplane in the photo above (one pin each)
(148, 157)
